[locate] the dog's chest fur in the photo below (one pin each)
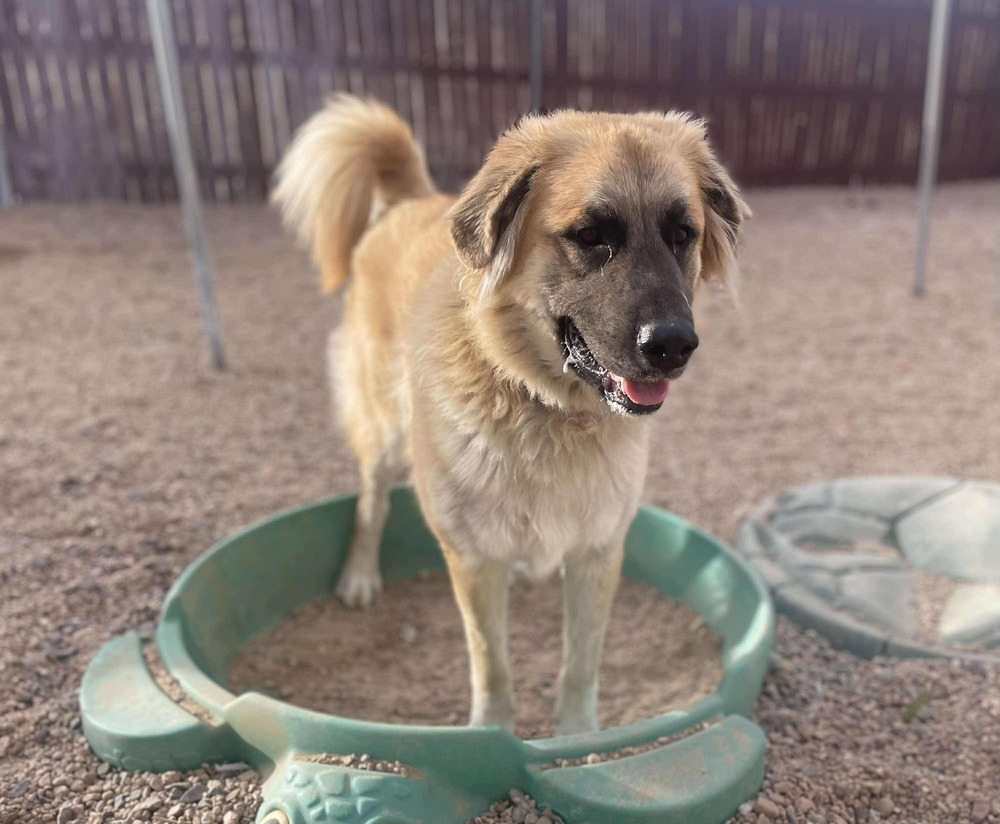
(532, 484)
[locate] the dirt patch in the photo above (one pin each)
(123, 456)
(403, 660)
(12, 254)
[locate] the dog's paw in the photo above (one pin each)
(358, 589)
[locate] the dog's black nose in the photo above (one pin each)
(667, 344)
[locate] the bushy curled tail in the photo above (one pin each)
(349, 161)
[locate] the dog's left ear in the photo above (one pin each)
(486, 220)
(725, 210)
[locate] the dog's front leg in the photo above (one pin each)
(480, 587)
(591, 580)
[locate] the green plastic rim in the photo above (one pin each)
(246, 583)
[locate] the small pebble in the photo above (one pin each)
(233, 768)
(193, 794)
(883, 805)
(765, 806)
(20, 788)
(154, 802)
(980, 810)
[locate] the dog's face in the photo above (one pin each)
(594, 229)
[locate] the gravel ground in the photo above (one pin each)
(853, 741)
(517, 808)
(123, 456)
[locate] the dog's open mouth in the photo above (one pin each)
(621, 394)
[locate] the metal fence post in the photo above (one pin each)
(6, 186)
(535, 49)
(161, 30)
(930, 138)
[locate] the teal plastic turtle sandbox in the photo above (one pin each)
(246, 583)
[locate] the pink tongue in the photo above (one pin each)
(646, 394)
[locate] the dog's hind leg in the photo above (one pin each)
(378, 448)
(360, 579)
(481, 588)
(591, 580)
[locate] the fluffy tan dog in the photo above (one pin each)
(507, 346)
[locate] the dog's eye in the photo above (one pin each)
(589, 236)
(678, 236)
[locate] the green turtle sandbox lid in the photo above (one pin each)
(248, 582)
(885, 565)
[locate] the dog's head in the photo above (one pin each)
(586, 235)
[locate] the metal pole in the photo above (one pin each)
(535, 48)
(6, 187)
(930, 137)
(161, 29)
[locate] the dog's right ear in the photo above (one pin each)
(486, 220)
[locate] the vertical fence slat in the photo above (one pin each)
(240, 57)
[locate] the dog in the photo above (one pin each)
(507, 347)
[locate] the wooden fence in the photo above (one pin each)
(796, 91)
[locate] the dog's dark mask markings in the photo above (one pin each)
(625, 271)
